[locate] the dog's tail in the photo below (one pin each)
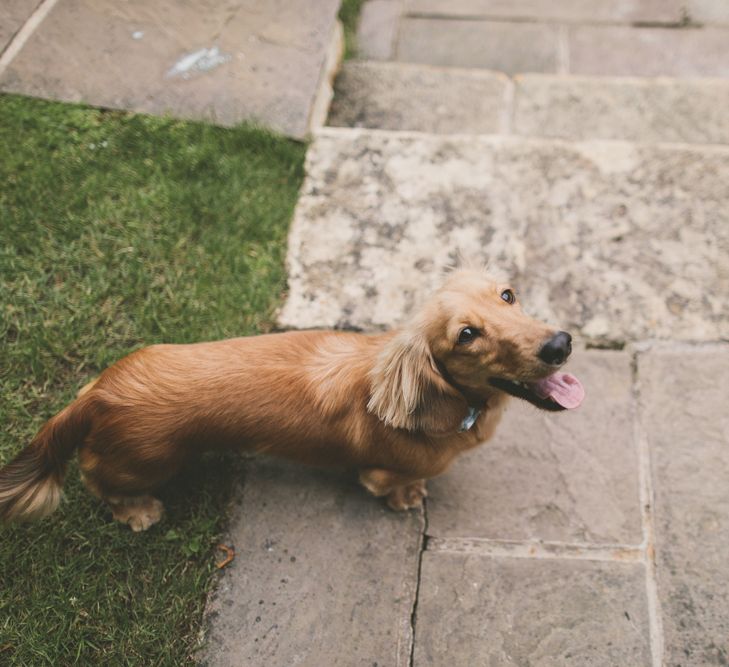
(30, 485)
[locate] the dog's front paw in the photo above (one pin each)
(407, 497)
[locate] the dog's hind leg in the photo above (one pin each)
(138, 512)
(402, 491)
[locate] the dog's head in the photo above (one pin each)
(469, 342)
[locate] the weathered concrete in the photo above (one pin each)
(553, 477)
(13, 14)
(377, 29)
(609, 239)
(402, 96)
(506, 47)
(580, 107)
(223, 62)
(630, 51)
(625, 11)
(684, 395)
(324, 574)
(475, 610)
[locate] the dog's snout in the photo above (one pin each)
(556, 350)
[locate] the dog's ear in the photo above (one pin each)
(407, 391)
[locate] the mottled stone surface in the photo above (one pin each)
(222, 62)
(476, 610)
(506, 47)
(569, 477)
(402, 96)
(630, 51)
(13, 14)
(578, 107)
(685, 394)
(624, 11)
(324, 574)
(377, 29)
(609, 239)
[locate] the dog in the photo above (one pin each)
(397, 407)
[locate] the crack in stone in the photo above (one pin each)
(422, 548)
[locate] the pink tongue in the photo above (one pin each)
(562, 388)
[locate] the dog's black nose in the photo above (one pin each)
(556, 350)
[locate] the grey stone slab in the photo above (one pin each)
(475, 610)
(708, 11)
(13, 14)
(324, 574)
(627, 51)
(610, 240)
(684, 395)
(567, 477)
(225, 62)
(377, 29)
(570, 107)
(625, 11)
(403, 96)
(496, 45)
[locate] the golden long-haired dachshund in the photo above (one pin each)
(398, 407)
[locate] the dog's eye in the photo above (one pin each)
(467, 335)
(508, 296)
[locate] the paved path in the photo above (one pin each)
(597, 537)
(569, 540)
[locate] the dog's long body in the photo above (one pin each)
(393, 406)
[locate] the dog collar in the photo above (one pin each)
(470, 419)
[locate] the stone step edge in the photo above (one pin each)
(686, 23)
(324, 94)
(577, 78)
(357, 132)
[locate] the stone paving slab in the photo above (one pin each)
(629, 51)
(475, 610)
(449, 100)
(377, 29)
(324, 574)
(610, 240)
(684, 395)
(463, 34)
(551, 477)
(581, 107)
(13, 14)
(402, 96)
(496, 45)
(625, 11)
(222, 62)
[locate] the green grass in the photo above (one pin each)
(349, 12)
(118, 231)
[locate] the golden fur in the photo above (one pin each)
(387, 405)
